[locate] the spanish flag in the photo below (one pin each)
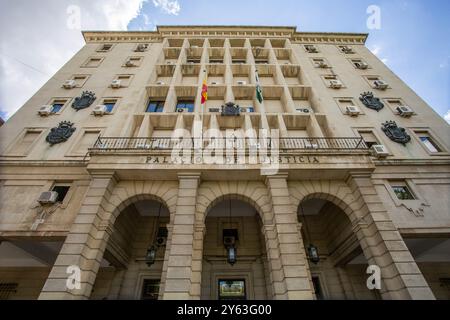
(205, 89)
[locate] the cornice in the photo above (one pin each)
(224, 31)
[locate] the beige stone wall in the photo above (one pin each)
(30, 281)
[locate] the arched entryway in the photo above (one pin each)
(339, 271)
(233, 222)
(128, 270)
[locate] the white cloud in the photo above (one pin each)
(36, 41)
(377, 50)
(447, 116)
(168, 6)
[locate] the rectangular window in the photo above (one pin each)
(7, 290)
(369, 138)
(155, 106)
(56, 107)
(215, 60)
(93, 62)
(239, 61)
(80, 80)
(150, 289)
(109, 104)
(105, 47)
(402, 191)
(317, 288)
(25, 142)
(429, 143)
(231, 289)
(62, 192)
(186, 106)
(86, 141)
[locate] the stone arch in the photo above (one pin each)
(128, 192)
(255, 193)
(336, 192)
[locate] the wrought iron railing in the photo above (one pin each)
(113, 144)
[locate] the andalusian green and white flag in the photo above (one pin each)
(259, 93)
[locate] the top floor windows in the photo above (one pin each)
(105, 47)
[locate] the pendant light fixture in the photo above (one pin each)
(150, 257)
(313, 252)
(229, 240)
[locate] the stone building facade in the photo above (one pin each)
(340, 178)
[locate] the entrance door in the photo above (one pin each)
(232, 289)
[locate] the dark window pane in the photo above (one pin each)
(189, 105)
(57, 107)
(150, 289)
(62, 192)
(403, 193)
(317, 288)
(110, 106)
(430, 144)
(155, 106)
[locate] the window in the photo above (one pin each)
(359, 64)
(261, 61)
(311, 48)
(125, 79)
(93, 62)
(80, 80)
(215, 60)
(402, 192)
(109, 104)
(23, 145)
(62, 192)
(346, 49)
(105, 48)
(193, 60)
(239, 61)
(320, 63)
(155, 106)
(186, 106)
(429, 143)
(150, 289)
(369, 138)
(133, 62)
(56, 107)
(231, 289)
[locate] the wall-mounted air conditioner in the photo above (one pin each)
(380, 151)
(116, 84)
(322, 64)
(181, 110)
(405, 111)
(336, 84)
(130, 63)
(361, 65)
(45, 110)
(214, 110)
(242, 82)
(48, 197)
(380, 84)
(99, 110)
(69, 84)
(303, 110)
(141, 47)
(352, 111)
(160, 83)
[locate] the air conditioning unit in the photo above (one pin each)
(242, 82)
(45, 110)
(116, 84)
(182, 110)
(48, 197)
(361, 65)
(347, 49)
(160, 83)
(169, 62)
(141, 47)
(380, 151)
(380, 84)
(336, 84)
(352, 111)
(405, 111)
(303, 110)
(243, 110)
(130, 63)
(322, 64)
(99, 110)
(194, 47)
(215, 83)
(69, 84)
(214, 109)
(311, 49)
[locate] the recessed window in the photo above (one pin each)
(369, 137)
(310, 48)
(133, 62)
(25, 142)
(124, 79)
(261, 61)
(320, 63)
(62, 192)
(239, 61)
(155, 106)
(214, 60)
(93, 62)
(80, 80)
(185, 106)
(402, 191)
(193, 60)
(429, 143)
(150, 289)
(105, 47)
(109, 104)
(56, 107)
(317, 288)
(7, 289)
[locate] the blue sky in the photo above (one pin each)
(414, 38)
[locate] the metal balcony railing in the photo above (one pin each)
(114, 144)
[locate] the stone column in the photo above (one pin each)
(84, 245)
(383, 245)
(287, 257)
(180, 277)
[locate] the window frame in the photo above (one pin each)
(100, 48)
(416, 134)
(85, 64)
(77, 140)
(156, 102)
(20, 137)
(354, 101)
(185, 102)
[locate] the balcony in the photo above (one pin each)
(164, 145)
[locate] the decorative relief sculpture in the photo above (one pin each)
(61, 133)
(85, 101)
(395, 133)
(231, 109)
(371, 102)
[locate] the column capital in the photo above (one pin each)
(280, 175)
(189, 175)
(104, 174)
